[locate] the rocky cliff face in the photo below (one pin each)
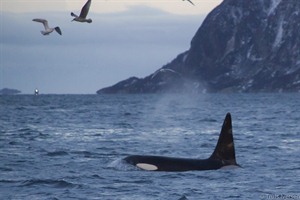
(242, 46)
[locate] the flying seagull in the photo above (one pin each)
(83, 13)
(190, 2)
(47, 29)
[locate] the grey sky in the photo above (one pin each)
(87, 57)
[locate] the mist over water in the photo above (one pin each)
(71, 146)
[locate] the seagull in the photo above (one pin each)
(83, 13)
(190, 2)
(47, 29)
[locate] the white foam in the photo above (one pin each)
(121, 165)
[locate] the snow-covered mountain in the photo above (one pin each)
(241, 46)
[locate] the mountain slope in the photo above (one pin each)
(241, 46)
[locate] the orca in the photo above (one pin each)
(223, 156)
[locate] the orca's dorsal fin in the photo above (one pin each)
(224, 150)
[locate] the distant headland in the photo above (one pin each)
(8, 91)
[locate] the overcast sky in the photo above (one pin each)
(126, 38)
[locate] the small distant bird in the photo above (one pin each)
(190, 2)
(83, 13)
(47, 29)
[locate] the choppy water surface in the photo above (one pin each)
(71, 146)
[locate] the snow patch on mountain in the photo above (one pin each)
(279, 34)
(274, 4)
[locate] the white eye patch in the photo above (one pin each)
(146, 166)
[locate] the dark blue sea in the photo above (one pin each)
(71, 146)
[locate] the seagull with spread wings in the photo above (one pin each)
(47, 30)
(83, 13)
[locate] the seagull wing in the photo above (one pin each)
(190, 2)
(85, 9)
(73, 15)
(58, 30)
(45, 22)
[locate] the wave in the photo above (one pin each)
(86, 154)
(48, 182)
(208, 120)
(57, 153)
(7, 181)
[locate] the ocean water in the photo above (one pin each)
(71, 146)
